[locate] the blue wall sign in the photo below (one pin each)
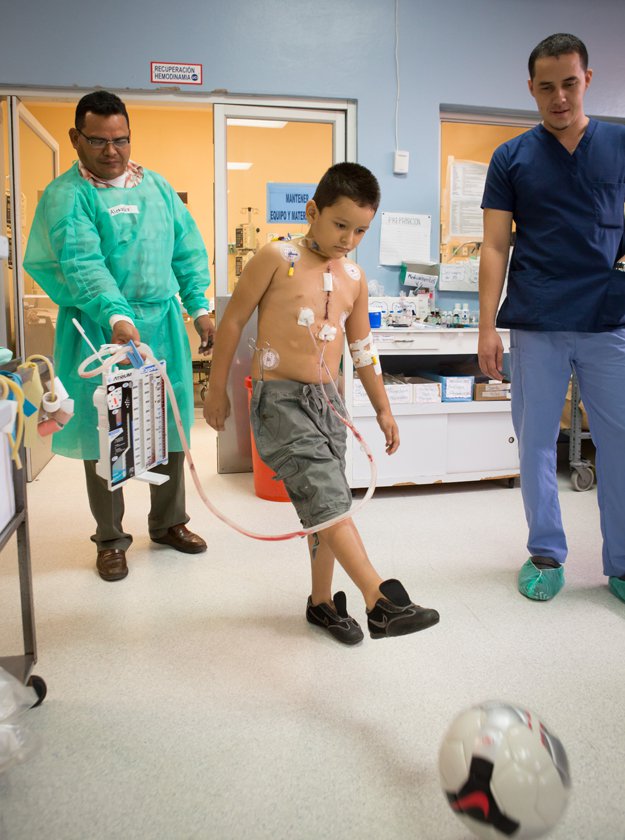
(286, 203)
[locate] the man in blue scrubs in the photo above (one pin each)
(563, 184)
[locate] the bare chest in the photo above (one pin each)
(327, 290)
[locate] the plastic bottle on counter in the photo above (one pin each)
(423, 305)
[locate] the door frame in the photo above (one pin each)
(342, 119)
(18, 111)
(234, 452)
(40, 453)
(297, 108)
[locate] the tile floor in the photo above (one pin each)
(192, 700)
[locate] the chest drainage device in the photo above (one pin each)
(132, 424)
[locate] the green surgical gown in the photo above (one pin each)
(118, 251)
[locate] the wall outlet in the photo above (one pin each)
(400, 163)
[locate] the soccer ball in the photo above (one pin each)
(503, 772)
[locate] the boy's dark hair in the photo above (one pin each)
(350, 180)
(99, 102)
(556, 45)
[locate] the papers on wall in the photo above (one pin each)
(420, 281)
(405, 238)
(459, 276)
(467, 180)
(419, 276)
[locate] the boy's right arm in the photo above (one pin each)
(252, 285)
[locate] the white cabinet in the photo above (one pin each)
(440, 442)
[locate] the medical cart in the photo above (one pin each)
(20, 666)
(201, 364)
(582, 470)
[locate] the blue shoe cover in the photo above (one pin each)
(541, 584)
(617, 587)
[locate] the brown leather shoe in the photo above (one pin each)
(180, 538)
(111, 564)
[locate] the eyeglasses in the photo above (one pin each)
(101, 143)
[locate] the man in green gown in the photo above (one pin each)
(113, 245)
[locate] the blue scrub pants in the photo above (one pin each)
(541, 364)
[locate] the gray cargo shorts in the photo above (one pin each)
(298, 435)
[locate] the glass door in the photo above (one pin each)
(257, 148)
(8, 337)
(268, 161)
(35, 165)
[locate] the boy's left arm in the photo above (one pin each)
(376, 392)
(357, 328)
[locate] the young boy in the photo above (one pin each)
(309, 294)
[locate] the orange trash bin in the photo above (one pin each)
(266, 485)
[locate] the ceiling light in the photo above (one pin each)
(233, 164)
(258, 123)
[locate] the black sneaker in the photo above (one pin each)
(396, 615)
(336, 621)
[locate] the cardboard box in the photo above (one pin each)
(425, 390)
(359, 395)
(399, 392)
(491, 391)
(454, 387)
(398, 389)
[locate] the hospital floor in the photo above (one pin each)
(192, 700)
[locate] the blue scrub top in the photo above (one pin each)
(568, 210)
